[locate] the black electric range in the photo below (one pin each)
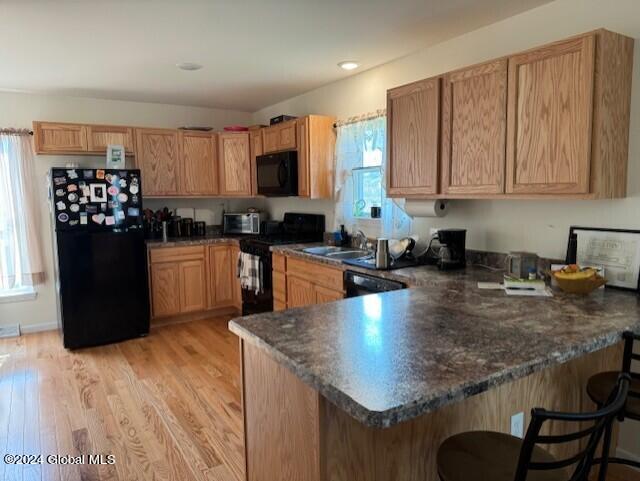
(294, 229)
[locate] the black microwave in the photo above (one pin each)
(277, 174)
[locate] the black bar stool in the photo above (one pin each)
(492, 456)
(597, 387)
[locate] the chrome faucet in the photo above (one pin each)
(362, 240)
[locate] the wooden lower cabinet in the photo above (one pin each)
(193, 286)
(165, 288)
(298, 283)
(221, 269)
(192, 279)
(237, 291)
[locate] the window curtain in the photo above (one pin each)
(20, 255)
(353, 138)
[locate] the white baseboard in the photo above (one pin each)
(622, 453)
(44, 326)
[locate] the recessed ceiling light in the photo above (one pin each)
(348, 64)
(189, 66)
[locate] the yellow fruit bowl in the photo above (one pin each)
(578, 281)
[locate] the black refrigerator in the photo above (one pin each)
(101, 255)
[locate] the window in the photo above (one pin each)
(367, 179)
(20, 257)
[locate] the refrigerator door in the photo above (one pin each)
(96, 199)
(103, 286)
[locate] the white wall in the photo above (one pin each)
(19, 110)
(538, 226)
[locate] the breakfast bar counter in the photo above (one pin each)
(368, 387)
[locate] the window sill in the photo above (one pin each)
(18, 295)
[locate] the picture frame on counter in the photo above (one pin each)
(616, 251)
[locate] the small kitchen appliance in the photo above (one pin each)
(242, 223)
(520, 264)
(383, 258)
(451, 254)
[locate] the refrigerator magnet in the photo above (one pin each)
(112, 204)
(61, 205)
(123, 183)
(86, 191)
(98, 218)
(122, 197)
(83, 200)
(72, 187)
(134, 199)
(103, 206)
(87, 174)
(91, 209)
(63, 217)
(98, 192)
(83, 218)
(74, 207)
(72, 174)
(73, 222)
(100, 174)
(59, 192)
(109, 220)
(73, 197)
(59, 180)
(133, 212)
(108, 178)
(119, 214)
(134, 188)
(112, 190)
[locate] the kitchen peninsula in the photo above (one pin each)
(367, 388)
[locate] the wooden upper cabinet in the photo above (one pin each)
(550, 109)
(100, 136)
(474, 122)
(56, 137)
(198, 152)
(413, 133)
(316, 156)
(157, 157)
(234, 163)
(280, 136)
(255, 137)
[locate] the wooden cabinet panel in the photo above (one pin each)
(255, 137)
(299, 292)
(157, 158)
(100, 136)
(193, 286)
(279, 137)
(198, 160)
(474, 119)
(279, 281)
(413, 125)
(279, 305)
(234, 164)
(303, 157)
(165, 289)
(176, 254)
(549, 118)
(237, 291)
(221, 292)
(53, 137)
(329, 277)
(322, 294)
(279, 262)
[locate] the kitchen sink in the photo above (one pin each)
(351, 254)
(335, 252)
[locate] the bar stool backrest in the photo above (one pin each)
(588, 437)
(629, 356)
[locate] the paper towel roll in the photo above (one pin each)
(426, 208)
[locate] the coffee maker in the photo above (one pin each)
(451, 253)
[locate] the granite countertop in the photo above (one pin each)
(210, 238)
(387, 358)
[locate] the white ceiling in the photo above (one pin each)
(255, 53)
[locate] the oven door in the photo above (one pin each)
(277, 174)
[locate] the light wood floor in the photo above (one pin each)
(167, 406)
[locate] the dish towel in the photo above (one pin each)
(250, 272)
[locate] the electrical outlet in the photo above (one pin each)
(517, 425)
